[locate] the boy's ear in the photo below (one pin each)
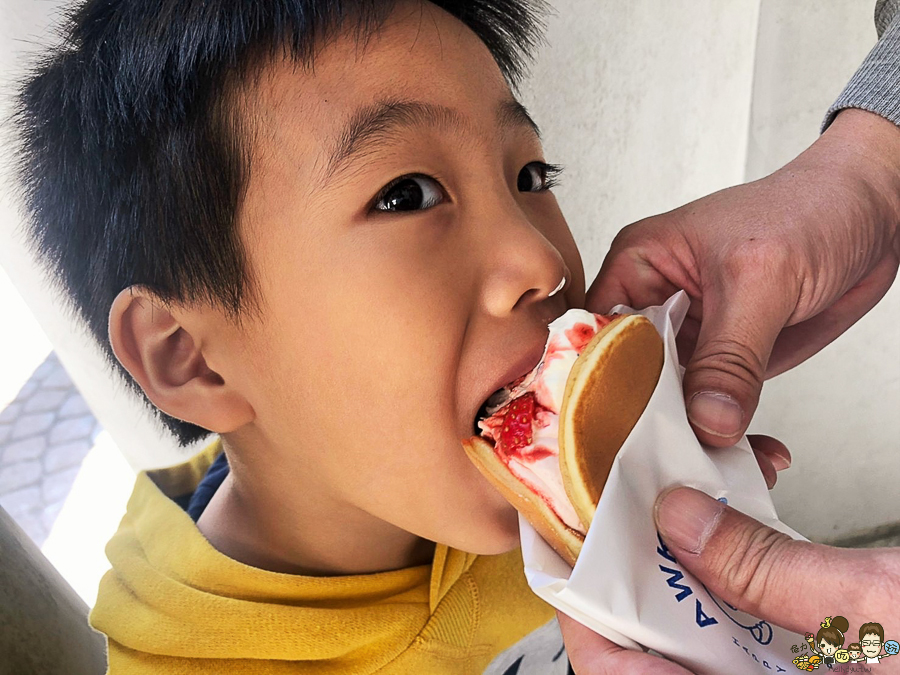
(166, 361)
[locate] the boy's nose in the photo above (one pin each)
(521, 265)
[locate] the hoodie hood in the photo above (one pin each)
(170, 594)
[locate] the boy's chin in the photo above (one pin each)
(499, 536)
(498, 546)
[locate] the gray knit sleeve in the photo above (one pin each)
(876, 85)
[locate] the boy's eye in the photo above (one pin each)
(409, 193)
(538, 176)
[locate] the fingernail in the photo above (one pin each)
(687, 518)
(779, 461)
(716, 413)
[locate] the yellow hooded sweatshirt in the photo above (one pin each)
(173, 604)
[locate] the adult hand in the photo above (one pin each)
(776, 269)
(793, 584)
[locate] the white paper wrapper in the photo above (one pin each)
(626, 585)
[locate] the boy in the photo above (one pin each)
(323, 231)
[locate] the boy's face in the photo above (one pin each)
(383, 332)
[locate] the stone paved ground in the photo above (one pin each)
(44, 435)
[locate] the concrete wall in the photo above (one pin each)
(648, 104)
(840, 412)
(45, 628)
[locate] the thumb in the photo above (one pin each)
(724, 376)
(766, 573)
(592, 654)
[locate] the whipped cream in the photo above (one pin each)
(537, 464)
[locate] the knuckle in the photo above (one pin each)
(626, 236)
(731, 358)
(766, 267)
(642, 230)
(751, 566)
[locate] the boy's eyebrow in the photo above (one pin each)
(371, 125)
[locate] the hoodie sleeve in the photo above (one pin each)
(876, 84)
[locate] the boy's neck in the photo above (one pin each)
(306, 536)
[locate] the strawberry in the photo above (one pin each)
(518, 423)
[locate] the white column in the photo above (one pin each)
(23, 29)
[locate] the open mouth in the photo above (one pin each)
(497, 400)
(482, 413)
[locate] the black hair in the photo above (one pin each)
(133, 156)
